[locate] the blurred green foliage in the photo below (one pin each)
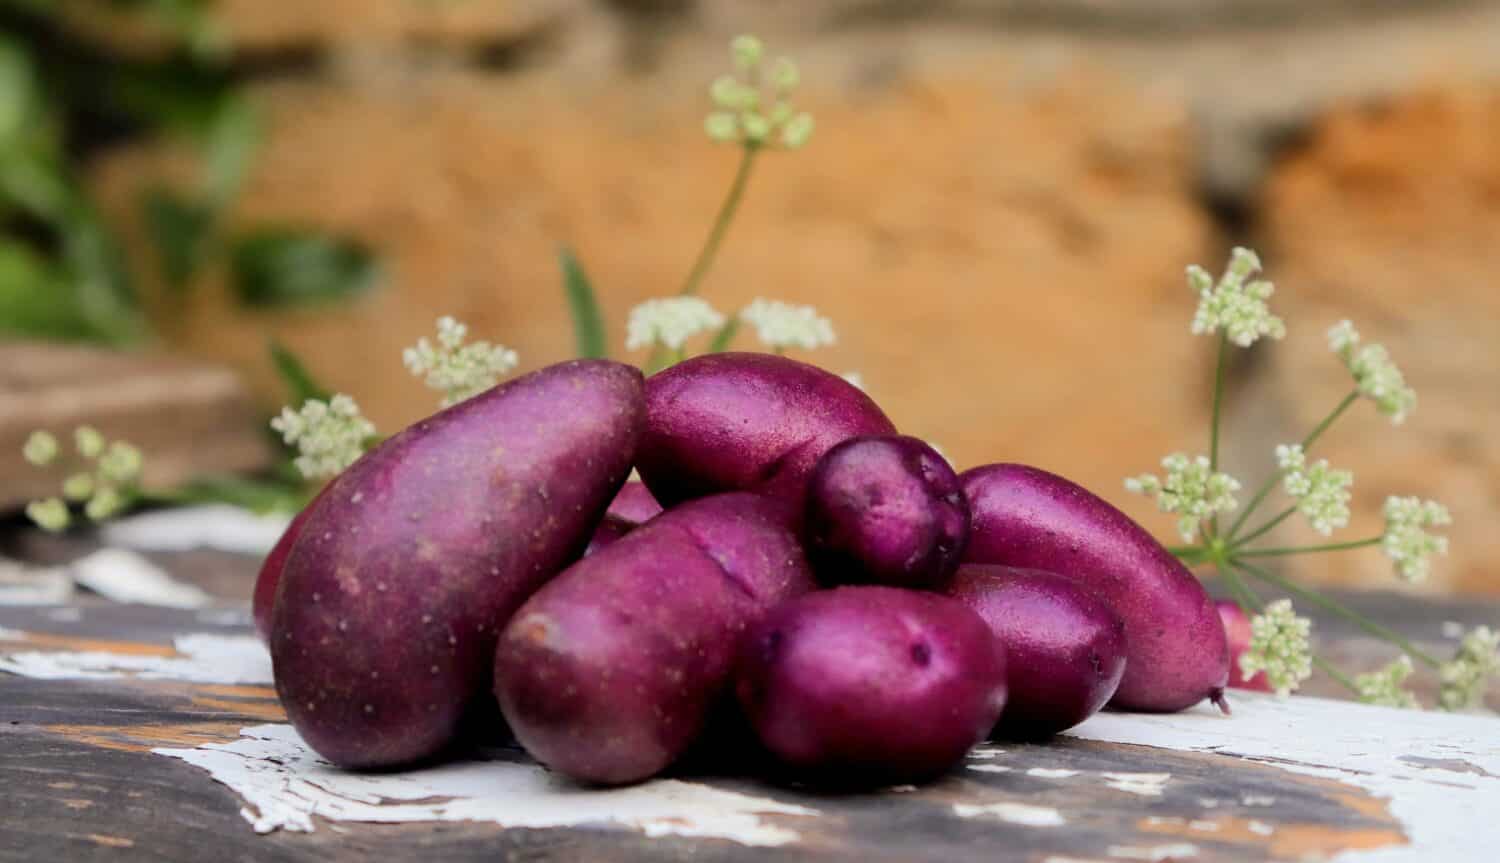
(64, 272)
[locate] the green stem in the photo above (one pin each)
(721, 222)
(1341, 610)
(1328, 668)
(1213, 429)
(1307, 442)
(1266, 528)
(1308, 549)
(1248, 601)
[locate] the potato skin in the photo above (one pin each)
(1176, 653)
(263, 600)
(412, 559)
(634, 503)
(746, 422)
(1064, 646)
(610, 672)
(871, 684)
(885, 510)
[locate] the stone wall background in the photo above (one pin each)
(995, 210)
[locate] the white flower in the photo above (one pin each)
(1384, 686)
(1322, 494)
(78, 487)
(1464, 679)
(1190, 490)
(50, 514)
(782, 325)
(1375, 374)
(120, 464)
(1239, 309)
(329, 435)
(669, 322)
(106, 502)
(743, 114)
(40, 448)
(1405, 542)
(1279, 647)
(89, 441)
(459, 371)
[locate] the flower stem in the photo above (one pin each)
(1248, 601)
(1308, 549)
(1267, 527)
(721, 222)
(1213, 429)
(1307, 442)
(1328, 668)
(1341, 610)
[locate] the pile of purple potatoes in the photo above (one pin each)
(791, 577)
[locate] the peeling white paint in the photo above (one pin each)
(218, 526)
(982, 753)
(1204, 826)
(238, 616)
(901, 789)
(1258, 800)
(1056, 859)
(1446, 815)
(1144, 784)
(1260, 828)
(1154, 853)
(65, 614)
(1050, 773)
(987, 768)
(124, 576)
(285, 785)
(201, 658)
(23, 584)
(1012, 813)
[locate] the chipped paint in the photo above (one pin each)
(217, 526)
(1260, 828)
(987, 768)
(1445, 815)
(984, 753)
(1012, 813)
(124, 576)
(285, 785)
(196, 658)
(1050, 773)
(1154, 853)
(1144, 784)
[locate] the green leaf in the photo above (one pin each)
(288, 267)
(180, 231)
(17, 91)
(300, 383)
(588, 323)
(256, 495)
(36, 298)
(234, 134)
(724, 336)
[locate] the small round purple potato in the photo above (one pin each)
(411, 561)
(1064, 647)
(863, 685)
(634, 503)
(610, 672)
(885, 510)
(263, 600)
(610, 530)
(746, 422)
(1176, 651)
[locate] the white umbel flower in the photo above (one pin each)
(1375, 375)
(1405, 542)
(459, 371)
(50, 514)
(1322, 493)
(1384, 686)
(782, 325)
(669, 322)
(40, 448)
(1279, 646)
(750, 113)
(1191, 490)
(329, 435)
(1465, 678)
(1233, 305)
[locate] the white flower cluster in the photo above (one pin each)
(1322, 494)
(459, 371)
(103, 489)
(1279, 647)
(1191, 490)
(329, 435)
(1384, 686)
(782, 325)
(744, 115)
(1405, 542)
(855, 380)
(1375, 375)
(1464, 679)
(1234, 306)
(669, 322)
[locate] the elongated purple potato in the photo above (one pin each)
(610, 672)
(610, 529)
(1176, 653)
(885, 510)
(1064, 646)
(746, 422)
(634, 503)
(263, 600)
(871, 684)
(410, 562)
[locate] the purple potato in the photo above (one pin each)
(1064, 646)
(885, 510)
(413, 559)
(263, 600)
(1176, 652)
(865, 685)
(610, 672)
(747, 422)
(634, 503)
(610, 529)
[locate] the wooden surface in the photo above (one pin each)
(100, 769)
(189, 418)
